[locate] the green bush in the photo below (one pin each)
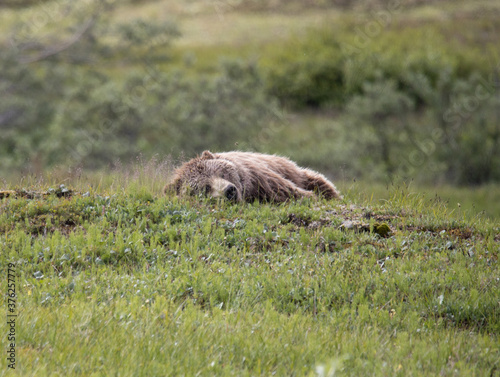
(383, 112)
(471, 132)
(418, 103)
(307, 72)
(101, 120)
(20, 3)
(328, 66)
(65, 107)
(82, 108)
(217, 112)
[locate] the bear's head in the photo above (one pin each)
(207, 175)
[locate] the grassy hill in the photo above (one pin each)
(115, 280)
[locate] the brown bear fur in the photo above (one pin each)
(246, 176)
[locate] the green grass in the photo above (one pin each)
(121, 281)
(481, 201)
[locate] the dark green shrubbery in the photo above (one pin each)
(76, 107)
(413, 103)
(328, 66)
(308, 72)
(297, 5)
(376, 98)
(165, 113)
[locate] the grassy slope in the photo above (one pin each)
(483, 201)
(133, 284)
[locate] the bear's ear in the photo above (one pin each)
(207, 155)
(174, 187)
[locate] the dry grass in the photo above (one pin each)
(215, 23)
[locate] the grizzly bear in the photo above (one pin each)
(247, 176)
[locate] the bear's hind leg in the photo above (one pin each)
(320, 185)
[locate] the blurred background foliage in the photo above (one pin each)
(355, 88)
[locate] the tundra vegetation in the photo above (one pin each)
(377, 90)
(113, 278)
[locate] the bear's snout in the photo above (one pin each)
(221, 188)
(231, 193)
